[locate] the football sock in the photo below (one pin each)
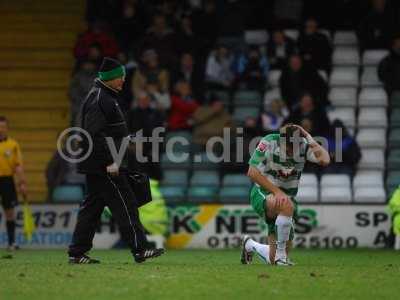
(283, 226)
(262, 250)
(11, 232)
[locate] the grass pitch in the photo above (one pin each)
(200, 274)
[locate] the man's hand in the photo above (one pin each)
(22, 188)
(281, 197)
(113, 169)
(305, 134)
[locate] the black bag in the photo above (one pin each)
(140, 184)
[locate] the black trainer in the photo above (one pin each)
(148, 253)
(83, 259)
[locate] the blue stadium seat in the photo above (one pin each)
(175, 178)
(173, 194)
(247, 98)
(240, 180)
(231, 194)
(68, 193)
(201, 161)
(175, 140)
(168, 162)
(205, 178)
(202, 194)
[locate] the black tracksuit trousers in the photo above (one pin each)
(114, 192)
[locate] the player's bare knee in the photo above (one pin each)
(287, 208)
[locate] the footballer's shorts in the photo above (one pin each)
(258, 198)
(8, 194)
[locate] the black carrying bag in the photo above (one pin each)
(140, 184)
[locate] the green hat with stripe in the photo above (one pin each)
(111, 69)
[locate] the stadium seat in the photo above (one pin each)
(373, 97)
(202, 194)
(247, 98)
(256, 37)
(392, 181)
(335, 180)
(271, 95)
(236, 180)
(221, 95)
(373, 57)
(175, 178)
(394, 138)
(308, 180)
(346, 115)
(344, 56)
(242, 113)
(344, 76)
(371, 138)
(395, 118)
(231, 194)
(173, 193)
(369, 78)
(202, 161)
(307, 194)
(292, 33)
(205, 178)
(273, 78)
(336, 194)
(345, 38)
(394, 160)
(370, 195)
(395, 99)
(372, 117)
(68, 193)
(368, 179)
(372, 159)
(175, 161)
(343, 96)
(178, 141)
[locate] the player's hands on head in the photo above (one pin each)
(113, 169)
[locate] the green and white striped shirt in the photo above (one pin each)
(282, 171)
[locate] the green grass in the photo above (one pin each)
(201, 274)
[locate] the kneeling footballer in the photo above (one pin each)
(275, 168)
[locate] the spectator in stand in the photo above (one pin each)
(130, 25)
(183, 106)
(251, 69)
(308, 110)
(377, 27)
(210, 120)
(143, 116)
(350, 151)
(389, 68)
(219, 68)
(97, 34)
(161, 38)
(79, 87)
(186, 40)
(314, 46)
(297, 78)
(160, 99)
(190, 71)
(206, 24)
(150, 70)
(279, 48)
(272, 119)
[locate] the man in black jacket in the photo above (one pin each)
(106, 177)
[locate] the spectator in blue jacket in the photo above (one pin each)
(251, 69)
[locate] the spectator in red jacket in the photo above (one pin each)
(182, 106)
(97, 33)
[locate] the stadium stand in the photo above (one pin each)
(35, 50)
